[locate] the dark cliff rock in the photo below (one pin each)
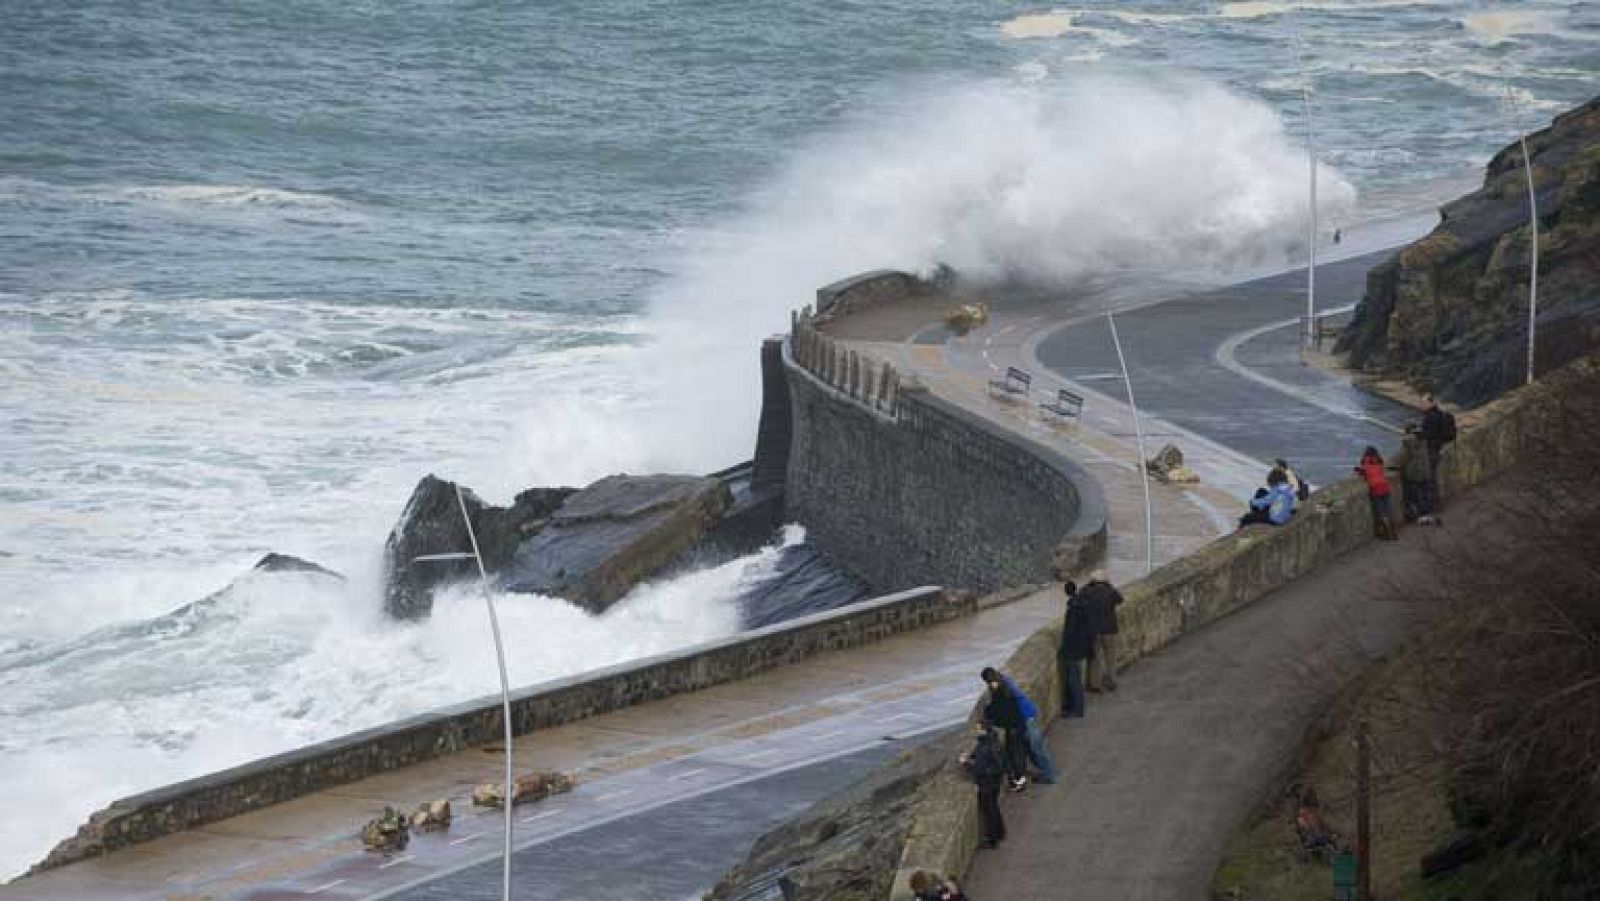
(846, 847)
(431, 524)
(283, 563)
(1449, 312)
(614, 533)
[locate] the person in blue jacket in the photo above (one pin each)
(1272, 505)
(1038, 754)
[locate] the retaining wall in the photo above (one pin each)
(1231, 572)
(186, 805)
(902, 487)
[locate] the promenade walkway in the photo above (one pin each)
(670, 793)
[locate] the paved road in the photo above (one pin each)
(1214, 364)
(658, 854)
(1160, 773)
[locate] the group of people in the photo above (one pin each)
(1009, 738)
(1421, 450)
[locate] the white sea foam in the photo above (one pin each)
(1256, 9)
(1057, 24)
(229, 196)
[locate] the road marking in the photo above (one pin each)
(394, 863)
(615, 794)
(467, 838)
(759, 754)
(900, 716)
(685, 775)
(541, 816)
(322, 888)
(827, 735)
(243, 864)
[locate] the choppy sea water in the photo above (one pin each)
(263, 266)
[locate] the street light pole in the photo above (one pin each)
(505, 683)
(1311, 338)
(1138, 437)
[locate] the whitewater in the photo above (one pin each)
(258, 277)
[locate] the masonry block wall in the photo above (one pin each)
(922, 491)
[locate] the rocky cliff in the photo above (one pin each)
(1449, 312)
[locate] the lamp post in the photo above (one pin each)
(505, 683)
(1311, 336)
(1533, 230)
(1138, 437)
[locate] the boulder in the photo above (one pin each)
(432, 817)
(283, 563)
(432, 524)
(525, 789)
(616, 532)
(388, 833)
(1449, 312)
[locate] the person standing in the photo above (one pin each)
(1416, 478)
(1077, 647)
(985, 766)
(1371, 470)
(1102, 601)
(1005, 713)
(1037, 753)
(1438, 429)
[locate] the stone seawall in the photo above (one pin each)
(903, 487)
(196, 802)
(1224, 576)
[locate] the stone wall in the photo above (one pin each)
(187, 805)
(1225, 575)
(901, 486)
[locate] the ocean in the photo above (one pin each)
(263, 266)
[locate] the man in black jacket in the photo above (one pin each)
(1438, 429)
(1077, 646)
(1102, 600)
(1005, 713)
(984, 765)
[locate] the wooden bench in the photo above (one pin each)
(1013, 387)
(1067, 408)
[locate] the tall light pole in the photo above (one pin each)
(505, 683)
(1138, 438)
(1533, 229)
(1311, 338)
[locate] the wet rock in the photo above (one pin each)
(611, 535)
(525, 789)
(433, 817)
(283, 563)
(1449, 312)
(432, 524)
(388, 833)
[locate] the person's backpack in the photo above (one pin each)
(1448, 432)
(1302, 489)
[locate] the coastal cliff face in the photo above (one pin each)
(1449, 312)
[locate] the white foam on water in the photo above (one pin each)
(280, 660)
(1060, 23)
(1256, 9)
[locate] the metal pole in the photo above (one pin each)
(1312, 336)
(505, 688)
(1363, 813)
(1533, 265)
(1138, 437)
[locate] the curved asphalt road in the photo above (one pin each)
(1264, 405)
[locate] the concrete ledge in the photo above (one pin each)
(1218, 579)
(206, 799)
(860, 292)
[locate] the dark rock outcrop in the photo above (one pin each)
(589, 547)
(283, 563)
(432, 524)
(1449, 312)
(614, 533)
(846, 847)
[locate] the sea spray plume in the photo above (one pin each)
(1049, 182)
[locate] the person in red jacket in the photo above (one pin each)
(1371, 469)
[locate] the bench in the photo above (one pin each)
(1067, 408)
(1013, 387)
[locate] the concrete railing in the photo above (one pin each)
(193, 803)
(1230, 573)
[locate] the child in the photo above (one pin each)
(1371, 469)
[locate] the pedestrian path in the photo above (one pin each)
(641, 772)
